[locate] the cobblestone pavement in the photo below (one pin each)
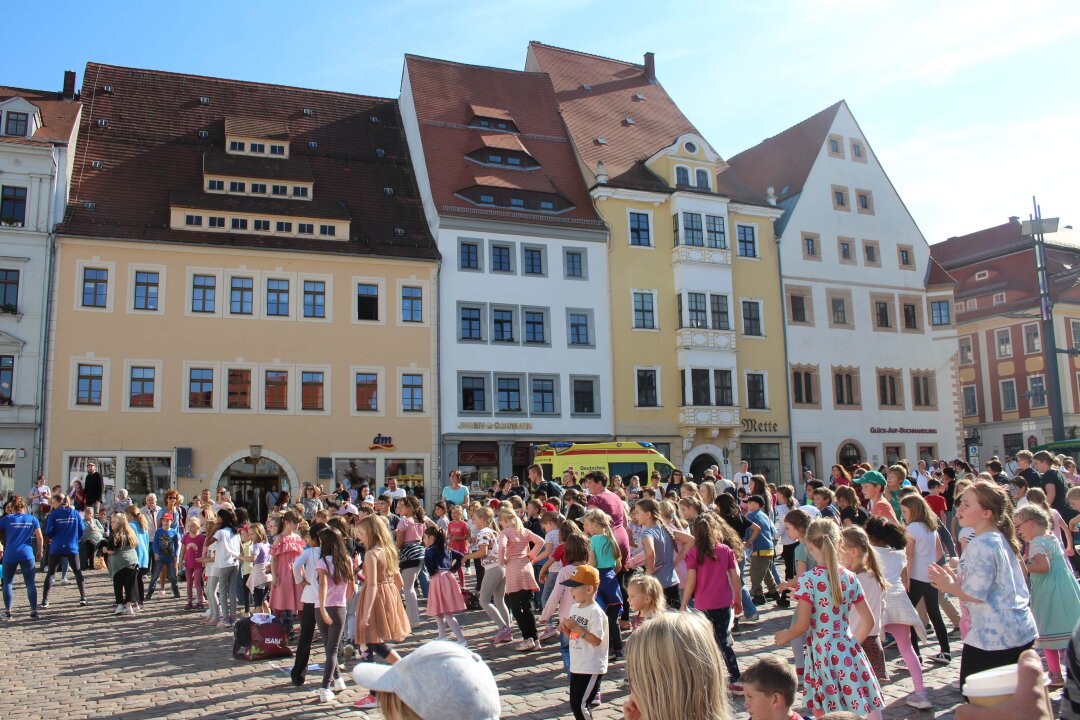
(81, 663)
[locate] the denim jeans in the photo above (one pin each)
(155, 573)
(750, 610)
(227, 592)
(29, 573)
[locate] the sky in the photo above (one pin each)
(971, 107)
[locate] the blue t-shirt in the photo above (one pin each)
(764, 540)
(457, 497)
(168, 539)
(143, 550)
(64, 527)
(19, 531)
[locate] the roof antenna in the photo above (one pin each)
(601, 173)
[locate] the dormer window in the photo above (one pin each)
(493, 118)
(236, 146)
(16, 124)
(497, 159)
(517, 202)
(682, 176)
(300, 191)
(259, 148)
(487, 199)
(277, 149)
(516, 199)
(702, 179)
(215, 184)
(280, 189)
(513, 160)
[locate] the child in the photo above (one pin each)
(284, 592)
(444, 594)
(166, 549)
(520, 581)
(1073, 498)
(492, 588)
(192, 544)
(605, 556)
(549, 566)
(1018, 491)
(438, 513)
(227, 563)
(759, 538)
(899, 616)
(770, 687)
(858, 557)
(713, 583)
(1055, 599)
(409, 535)
(923, 550)
(826, 596)
(457, 533)
(796, 523)
(851, 513)
(872, 485)
(380, 617)
(206, 560)
(646, 598)
(990, 584)
(1058, 528)
(587, 627)
(659, 548)
(561, 600)
(141, 526)
(335, 583)
(305, 572)
(259, 558)
(123, 561)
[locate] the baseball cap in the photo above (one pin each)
(348, 509)
(550, 507)
(369, 499)
(584, 575)
(437, 680)
(167, 516)
(873, 477)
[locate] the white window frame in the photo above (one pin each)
(655, 310)
(425, 302)
(689, 175)
(158, 386)
(757, 241)
(544, 268)
(256, 292)
(278, 274)
(134, 268)
(652, 229)
(290, 395)
(971, 344)
(379, 282)
(94, 263)
(256, 388)
(189, 292)
(746, 379)
(1023, 337)
(328, 391)
(997, 344)
(429, 392)
(1045, 392)
(659, 386)
(380, 390)
(73, 376)
(328, 305)
(761, 314)
(1015, 396)
(963, 401)
(999, 298)
(590, 318)
(185, 382)
(595, 379)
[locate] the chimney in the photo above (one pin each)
(650, 68)
(69, 84)
(1014, 219)
(601, 173)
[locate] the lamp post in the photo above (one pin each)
(1036, 228)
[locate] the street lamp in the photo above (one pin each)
(1036, 227)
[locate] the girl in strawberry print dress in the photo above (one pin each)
(838, 675)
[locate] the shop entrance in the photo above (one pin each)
(248, 481)
(701, 463)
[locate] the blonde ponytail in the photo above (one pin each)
(824, 535)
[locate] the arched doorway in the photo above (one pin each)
(248, 479)
(702, 463)
(850, 454)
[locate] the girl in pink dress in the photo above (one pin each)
(458, 532)
(444, 594)
(284, 592)
(193, 570)
(520, 581)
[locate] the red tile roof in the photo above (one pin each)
(499, 141)
(490, 112)
(257, 128)
(57, 115)
(446, 96)
(151, 149)
(219, 162)
(980, 245)
(198, 200)
(937, 275)
(783, 161)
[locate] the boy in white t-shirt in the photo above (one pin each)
(587, 628)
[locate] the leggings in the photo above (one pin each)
(142, 583)
(902, 634)
(412, 605)
(227, 590)
(520, 604)
(787, 554)
(303, 643)
(493, 596)
(624, 579)
(975, 660)
(195, 582)
(331, 642)
(1054, 660)
(29, 573)
(583, 689)
(721, 622)
(211, 596)
(922, 590)
(54, 562)
(479, 570)
(124, 582)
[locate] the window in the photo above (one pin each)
(258, 147)
(508, 394)
(718, 307)
(9, 290)
(239, 224)
(803, 386)
(203, 293)
(328, 230)
(487, 199)
(702, 178)
(88, 384)
(755, 391)
(533, 261)
(236, 186)
(535, 331)
(715, 233)
(939, 312)
(751, 318)
(839, 311)
(284, 227)
(1036, 391)
(276, 390)
(639, 230)
(193, 220)
(299, 191)
(857, 151)
(647, 395)
(277, 149)
(890, 389)
(367, 392)
(798, 308)
(967, 355)
(146, 290)
(367, 302)
(923, 390)
(584, 396)
(911, 316)
(215, 185)
(865, 201)
(846, 387)
(543, 396)
(277, 298)
(747, 239)
(840, 198)
(723, 389)
(692, 234)
(16, 124)
(469, 256)
(500, 259)
(314, 299)
(305, 228)
(502, 325)
(579, 328)
(140, 391)
(473, 393)
(810, 249)
(682, 176)
(311, 391)
(906, 256)
(239, 389)
(697, 310)
(241, 296)
(236, 146)
(700, 387)
(847, 255)
(644, 311)
(836, 146)
(882, 313)
(262, 225)
(1032, 339)
(258, 189)
(412, 304)
(517, 202)
(1004, 343)
(972, 304)
(13, 206)
(200, 388)
(279, 189)
(1008, 396)
(575, 265)
(470, 323)
(871, 253)
(971, 401)
(95, 287)
(999, 298)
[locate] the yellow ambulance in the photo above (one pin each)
(624, 458)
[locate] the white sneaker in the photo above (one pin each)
(339, 685)
(119, 610)
(64, 581)
(129, 610)
(326, 695)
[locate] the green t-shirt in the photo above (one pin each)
(605, 554)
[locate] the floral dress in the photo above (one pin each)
(838, 675)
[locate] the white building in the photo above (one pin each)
(524, 356)
(37, 136)
(871, 339)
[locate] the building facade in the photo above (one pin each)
(37, 138)
(871, 339)
(245, 292)
(523, 296)
(695, 303)
(1002, 354)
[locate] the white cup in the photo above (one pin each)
(994, 686)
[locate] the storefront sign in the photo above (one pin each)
(757, 426)
(482, 425)
(381, 442)
(903, 431)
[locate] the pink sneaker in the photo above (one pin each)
(549, 632)
(505, 636)
(368, 702)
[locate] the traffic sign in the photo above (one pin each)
(973, 451)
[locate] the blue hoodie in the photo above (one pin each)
(167, 538)
(64, 527)
(144, 545)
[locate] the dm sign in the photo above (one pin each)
(381, 442)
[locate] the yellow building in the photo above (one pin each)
(697, 328)
(244, 292)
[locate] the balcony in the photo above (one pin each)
(705, 339)
(708, 416)
(700, 255)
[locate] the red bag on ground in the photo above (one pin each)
(268, 640)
